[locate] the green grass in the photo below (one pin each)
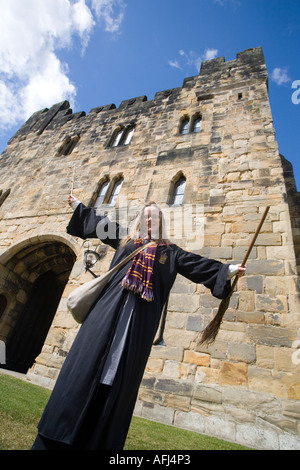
(21, 405)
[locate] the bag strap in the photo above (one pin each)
(129, 257)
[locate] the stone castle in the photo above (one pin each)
(209, 143)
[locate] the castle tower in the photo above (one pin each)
(207, 149)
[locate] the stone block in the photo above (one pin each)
(247, 301)
(171, 369)
(178, 303)
(289, 442)
(217, 350)
(257, 437)
(265, 267)
(158, 413)
(271, 335)
(255, 283)
(210, 394)
(154, 366)
(265, 357)
(269, 239)
(206, 408)
(190, 420)
(196, 323)
(197, 358)
(207, 375)
(219, 426)
(167, 352)
(233, 374)
(268, 303)
(178, 387)
(284, 360)
(149, 396)
(177, 402)
(242, 352)
(291, 409)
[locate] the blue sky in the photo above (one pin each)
(97, 52)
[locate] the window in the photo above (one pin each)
(122, 136)
(184, 129)
(178, 191)
(68, 146)
(117, 138)
(188, 125)
(128, 135)
(115, 192)
(101, 193)
(197, 124)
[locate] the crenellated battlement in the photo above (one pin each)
(213, 73)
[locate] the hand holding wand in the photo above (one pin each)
(210, 332)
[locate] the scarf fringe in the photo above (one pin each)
(137, 287)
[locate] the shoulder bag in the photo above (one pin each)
(83, 297)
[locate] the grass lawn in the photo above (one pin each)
(22, 403)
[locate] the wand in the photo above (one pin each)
(210, 332)
(72, 185)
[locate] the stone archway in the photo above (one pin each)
(35, 277)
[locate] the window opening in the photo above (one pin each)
(102, 193)
(115, 192)
(128, 136)
(117, 138)
(178, 193)
(185, 126)
(197, 124)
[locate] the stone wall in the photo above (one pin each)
(245, 387)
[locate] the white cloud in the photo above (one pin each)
(174, 63)
(111, 12)
(49, 85)
(32, 31)
(280, 76)
(210, 54)
(192, 59)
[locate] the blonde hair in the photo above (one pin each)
(135, 226)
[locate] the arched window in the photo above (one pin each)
(178, 191)
(3, 304)
(101, 193)
(122, 136)
(197, 123)
(68, 146)
(115, 192)
(128, 133)
(185, 124)
(117, 138)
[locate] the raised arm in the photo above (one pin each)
(86, 223)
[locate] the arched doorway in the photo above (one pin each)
(3, 304)
(39, 272)
(30, 331)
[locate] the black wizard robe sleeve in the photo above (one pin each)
(94, 396)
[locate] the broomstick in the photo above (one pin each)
(211, 331)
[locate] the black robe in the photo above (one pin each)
(82, 412)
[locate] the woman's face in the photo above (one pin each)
(150, 222)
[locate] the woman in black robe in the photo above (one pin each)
(94, 396)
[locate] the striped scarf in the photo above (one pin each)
(139, 276)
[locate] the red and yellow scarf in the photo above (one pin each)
(139, 276)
